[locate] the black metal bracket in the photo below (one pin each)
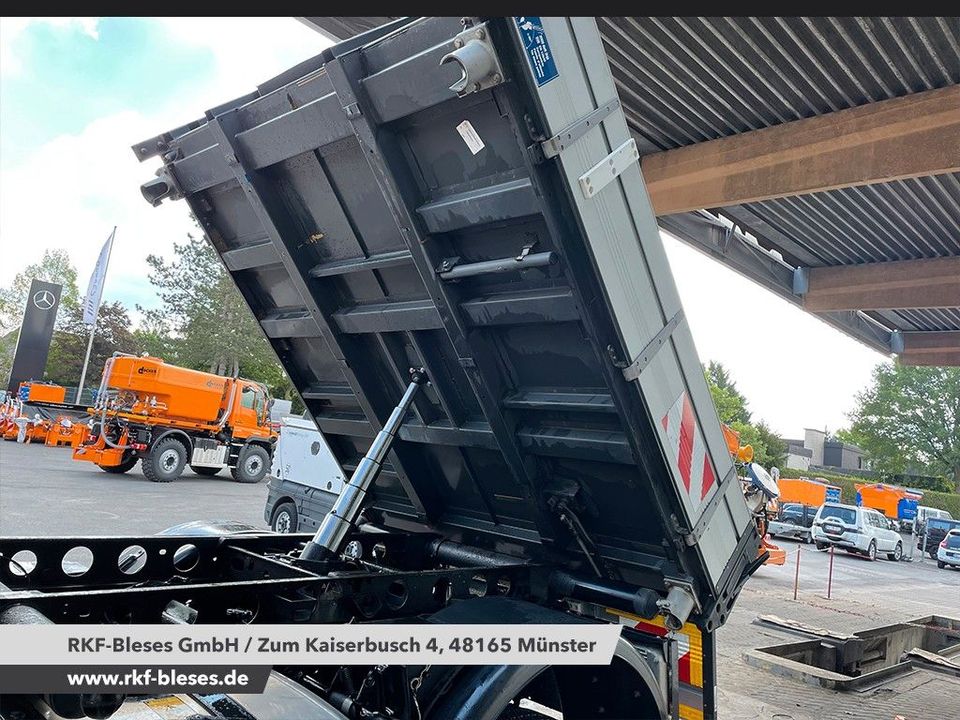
(694, 536)
(632, 371)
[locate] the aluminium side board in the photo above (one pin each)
(501, 237)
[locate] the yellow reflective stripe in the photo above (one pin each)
(690, 713)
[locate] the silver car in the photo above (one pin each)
(856, 529)
(948, 553)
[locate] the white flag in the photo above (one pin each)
(91, 302)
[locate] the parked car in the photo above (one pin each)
(856, 530)
(948, 552)
(924, 513)
(936, 530)
(305, 478)
(794, 520)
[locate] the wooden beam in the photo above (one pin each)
(903, 137)
(931, 348)
(932, 283)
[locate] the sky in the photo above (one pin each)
(76, 93)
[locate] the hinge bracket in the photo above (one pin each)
(609, 169)
(632, 371)
(576, 130)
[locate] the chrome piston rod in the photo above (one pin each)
(341, 518)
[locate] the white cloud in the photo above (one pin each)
(12, 28)
(795, 370)
(71, 191)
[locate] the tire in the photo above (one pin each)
(932, 554)
(807, 539)
(253, 464)
(872, 551)
(896, 554)
(821, 546)
(205, 471)
(124, 466)
(941, 564)
(166, 460)
(285, 518)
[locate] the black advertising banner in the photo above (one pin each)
(33, 346)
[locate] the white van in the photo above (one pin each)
(856, 529)
(924, 512)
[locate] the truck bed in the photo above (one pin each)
(503, 240)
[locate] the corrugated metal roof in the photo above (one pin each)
(688, 80)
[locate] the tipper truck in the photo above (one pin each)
(168, 417)
(442, 229)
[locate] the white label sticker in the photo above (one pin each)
(470, 136)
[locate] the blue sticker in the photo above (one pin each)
(537, 48)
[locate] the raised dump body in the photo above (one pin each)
(501, 238)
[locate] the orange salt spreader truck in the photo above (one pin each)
(169, 417)
(761, 491)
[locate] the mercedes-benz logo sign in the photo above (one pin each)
(45, 300)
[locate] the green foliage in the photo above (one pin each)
(204, 323)
(768, 448)
(908, 420)
(69, 344)
(55, 267)
(730, 402)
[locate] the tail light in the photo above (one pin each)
(139, 446)
(943, 543)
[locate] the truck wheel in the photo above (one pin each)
(284, 518)
(207, 471)
(124, 466)
(252, 466)
(166, 460)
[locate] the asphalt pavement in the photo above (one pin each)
(44, 492)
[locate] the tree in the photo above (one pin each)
(908, 419)
(731, 403)
(768, 448)
(204, 323)
(54, 266)
(69, 344)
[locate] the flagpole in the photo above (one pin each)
(93, 327)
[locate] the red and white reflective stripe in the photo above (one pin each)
(691, 458)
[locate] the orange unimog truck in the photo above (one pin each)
(169, 417)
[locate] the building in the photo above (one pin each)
(817, 450)
(798, 456)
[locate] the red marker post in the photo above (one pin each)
(796, 577)
(830, 574)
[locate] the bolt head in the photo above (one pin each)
(458, 43)
(480, 34)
